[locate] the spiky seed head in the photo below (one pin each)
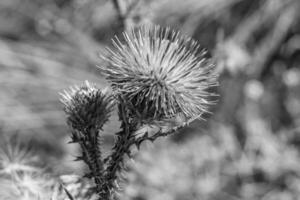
(87, 106)
(160, 74)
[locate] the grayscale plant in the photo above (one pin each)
(160, 74)
(160, 82)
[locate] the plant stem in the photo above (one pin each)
(91, 154)
(115, 162)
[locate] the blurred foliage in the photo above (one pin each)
(248, 149)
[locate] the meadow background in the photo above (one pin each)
(247, 149)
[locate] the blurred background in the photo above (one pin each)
(247, 149)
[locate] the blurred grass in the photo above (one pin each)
(248, 149)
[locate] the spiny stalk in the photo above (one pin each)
(87, 109)
(115, 162)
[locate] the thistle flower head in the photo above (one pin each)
(87, 107)
(160, 74)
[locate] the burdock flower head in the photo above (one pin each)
(87, 106)
(160, 74)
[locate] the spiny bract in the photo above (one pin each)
(87, 107)
(160, 74)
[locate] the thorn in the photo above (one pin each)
(138, 144)
(73, 141)
(78, 158)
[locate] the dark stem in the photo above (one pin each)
(92, 156)
(115, 162)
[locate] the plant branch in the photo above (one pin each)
(115, 162)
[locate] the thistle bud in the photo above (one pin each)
(160, 74)
(87, 107)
